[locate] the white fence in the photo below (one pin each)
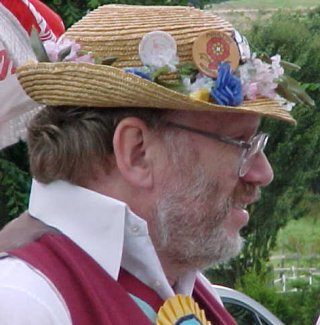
(283, 274)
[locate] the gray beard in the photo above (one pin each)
(189, 225)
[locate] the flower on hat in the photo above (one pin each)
(255, 77)
(158, 49)
(201, 82)
(228, 90)
(143, 73)
(287, 105)
(266, 77)
(200, 88)
(259, 78)
(66, 50)
(60, 50)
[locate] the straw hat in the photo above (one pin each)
(117, 31)
(16, 20)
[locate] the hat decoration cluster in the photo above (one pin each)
(223, 71)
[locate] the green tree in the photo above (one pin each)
(294, 308)
(14, 182)
(72, 10)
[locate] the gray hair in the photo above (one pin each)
(69, 143)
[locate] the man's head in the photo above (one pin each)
(154, 136)
(186, 185)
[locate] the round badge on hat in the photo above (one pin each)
(158, 49)
(213, 47)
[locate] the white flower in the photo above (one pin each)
(288, 106)
(201, 82)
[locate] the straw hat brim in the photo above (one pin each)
(94, 85)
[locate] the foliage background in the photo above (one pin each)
(294, 155)
(14, 182)
(293, 152)
(72, 10)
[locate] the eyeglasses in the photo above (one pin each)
(249, 149)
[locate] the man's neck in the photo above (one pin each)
(171, 269)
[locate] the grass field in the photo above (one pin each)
(302, 236)
(266, 4)
(243, 13)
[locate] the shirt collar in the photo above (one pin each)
(107, 230)
(62, 205)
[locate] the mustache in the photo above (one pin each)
(247, 192)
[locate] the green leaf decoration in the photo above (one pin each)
(109, 60)
(38, 47)
(64, 53)
(105, 61)
(265, 58)
(177, 86)
(159, 72)
(291, 90)
(187, 68)
(288, 66)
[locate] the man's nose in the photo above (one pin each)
(260, 172)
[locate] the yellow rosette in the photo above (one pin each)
(181, 310)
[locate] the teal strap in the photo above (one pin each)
(146, 308)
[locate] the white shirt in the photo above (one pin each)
(103, 227)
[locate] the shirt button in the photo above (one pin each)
(157, 284)
(135, 229)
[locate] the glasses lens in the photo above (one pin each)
(258, 143)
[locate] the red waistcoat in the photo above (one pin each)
(91, 295)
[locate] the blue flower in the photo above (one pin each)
(139, 73)
(228, 89)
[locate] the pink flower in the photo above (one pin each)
(250, 90)
(52, 50)
(88, 58)
(259, 78)
(55, 49)
(64, 43)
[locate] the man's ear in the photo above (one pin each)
(133, 149)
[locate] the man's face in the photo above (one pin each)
(201, 204)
